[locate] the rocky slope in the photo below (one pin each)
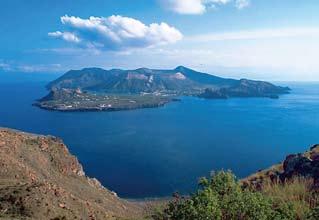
(301, 165)
(40, 179)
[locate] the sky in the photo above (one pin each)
(275, 40)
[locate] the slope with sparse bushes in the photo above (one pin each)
(285, 191)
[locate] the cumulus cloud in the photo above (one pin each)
(115, 33)
(200, 6)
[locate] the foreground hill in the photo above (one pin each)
(95, 89)
(40, 179)
(287, 191)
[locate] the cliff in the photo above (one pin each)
(40, 179)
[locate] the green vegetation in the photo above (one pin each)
(297, 191)
(222, 197)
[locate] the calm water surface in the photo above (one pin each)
(154, 152)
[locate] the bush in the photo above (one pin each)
(202, 205)
(222, 198)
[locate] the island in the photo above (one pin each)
(96, 89)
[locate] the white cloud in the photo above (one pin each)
(199, 6)
(240, 4)
(256, 34)
(67, 36)
(115, 33)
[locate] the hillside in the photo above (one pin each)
(40, 179)
(287, 191)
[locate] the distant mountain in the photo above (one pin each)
(180, 80)
(95, 89)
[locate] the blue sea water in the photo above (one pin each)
(155, 152)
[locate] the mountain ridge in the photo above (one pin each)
(181, 80)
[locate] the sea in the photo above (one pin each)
(152, 153)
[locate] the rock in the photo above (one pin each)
(114, 193)
(213, 94)
(62, 205)
(314, 156)
(297, 165)
(314, 147)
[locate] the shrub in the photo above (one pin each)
(222, 198)
(202, 205)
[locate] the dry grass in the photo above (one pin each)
(297, 191)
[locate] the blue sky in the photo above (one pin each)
(272, 40)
